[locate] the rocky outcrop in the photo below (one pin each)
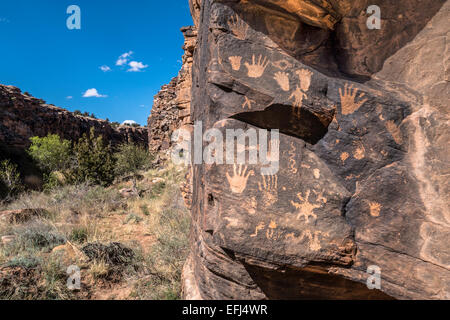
(363, 157)
(172, 105)
(23, 116)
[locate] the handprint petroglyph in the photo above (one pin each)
(282, 78)
(305, 208)
(348, 99)
(238, 27)
(235, 62)
(238, 182)
(269, 187)
(257, 67)
(304, 76)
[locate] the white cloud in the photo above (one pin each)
(123, 59)
(4, 20)
(105, 68)
(93, 93)
(69, 97)
(129, 122)
(142, 106)
(136, 66)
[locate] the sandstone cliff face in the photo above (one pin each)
(23, 116)
(363, 120)
(172, 105)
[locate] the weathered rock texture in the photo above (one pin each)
(172, 105)
(23, 116)
(364, 160)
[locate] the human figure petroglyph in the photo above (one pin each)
(305, 208)
(300, 93)
(238, 27)
(282, 78)
(257, 67)
(235, 62)
(238, 182)
(270, 232)
(348, 99)
(269, 187)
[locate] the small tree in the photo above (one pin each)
(94, 160)
(130, 159)
(51, 153)
(10, 178)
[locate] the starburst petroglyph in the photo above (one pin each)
(348, 99)
(238, 27)
(238, 182)
(235, 62)
(306, 208)
(248, 103)
(257, 67)
(269, 187)
(282, 78)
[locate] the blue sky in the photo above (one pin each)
(39, 54)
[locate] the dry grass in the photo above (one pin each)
(155, 226)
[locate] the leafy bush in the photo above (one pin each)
(51, 153)
(130, 159)
(94, 160)
(10, 179)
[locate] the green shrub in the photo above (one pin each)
(130, 159)
(10, 179)
(51, 153)
(94, 160)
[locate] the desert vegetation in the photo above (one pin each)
(110, 212)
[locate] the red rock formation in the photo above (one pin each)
(363, 160)
(23, 116)
(172, 105)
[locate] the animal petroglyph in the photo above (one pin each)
(258, 228)
(238, 27)
(348, 99)
(235, 62)
(305, 208)
(282, 78)
(248, 103)
(238, 182)
(269, 187)
(257, 67)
